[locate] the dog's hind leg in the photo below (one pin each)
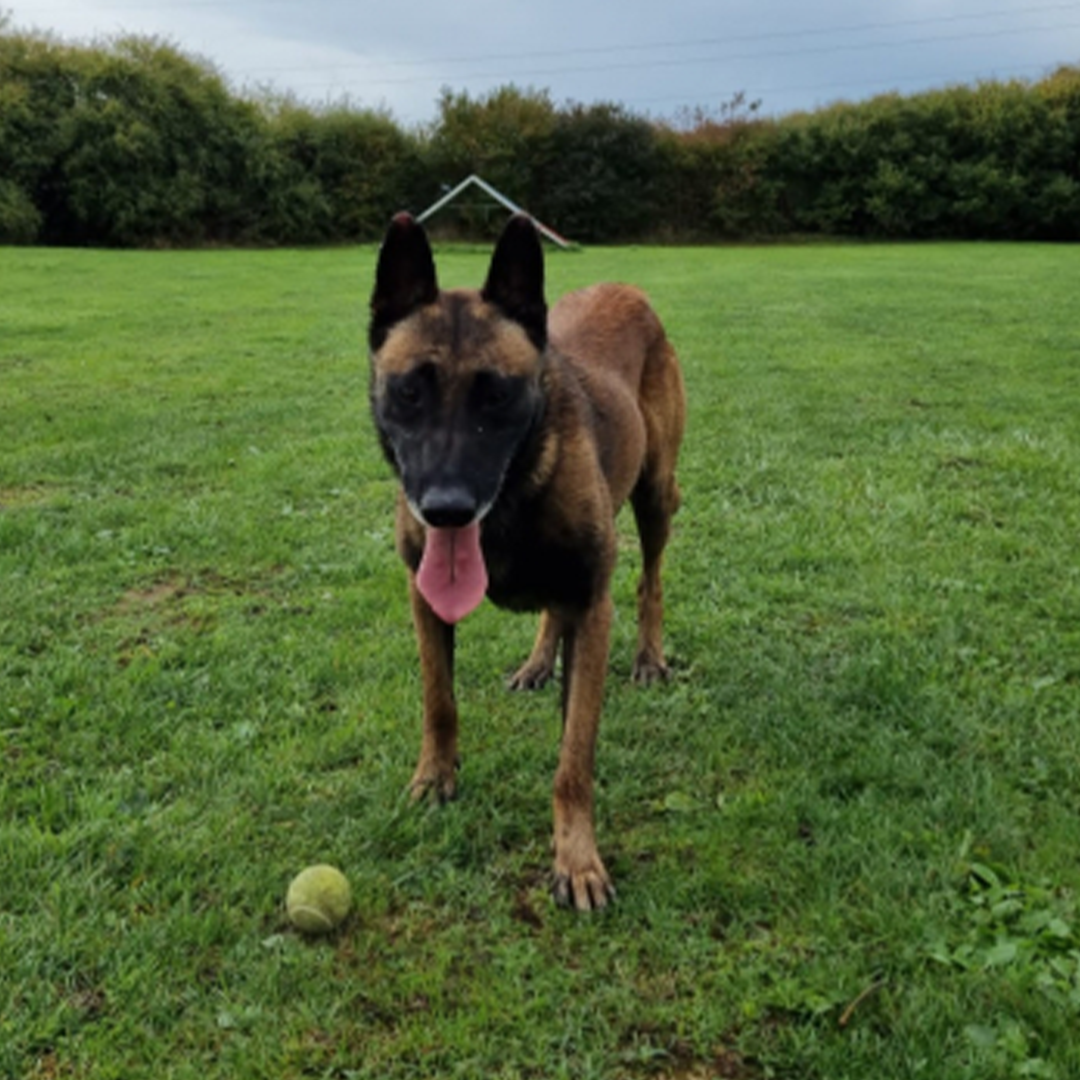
(435, 774)
(655, 500)
(540, 666)
(653, 514)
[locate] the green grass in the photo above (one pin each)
(845, 837)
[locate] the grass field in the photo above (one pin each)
(845, 837)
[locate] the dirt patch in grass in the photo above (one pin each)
(16, 498)
(152, 596)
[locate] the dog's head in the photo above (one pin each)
(456, 389)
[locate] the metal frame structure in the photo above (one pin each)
(499, 197)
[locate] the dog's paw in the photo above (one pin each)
(586, 887)
(649, 669)
(530, 676)
(583, 892)
(434, 785)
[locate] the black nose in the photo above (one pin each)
(448, 507)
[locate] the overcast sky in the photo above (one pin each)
(654, 56)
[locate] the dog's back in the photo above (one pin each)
(609, 325)
(615, 342)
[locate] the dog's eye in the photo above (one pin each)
(408, 392)
(493, 392)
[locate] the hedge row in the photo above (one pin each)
(133, 143)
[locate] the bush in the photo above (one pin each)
(716, 180)
(362, 165)
(159, 150)
(36, 96)
(601, 175)
(996, 161)
(20, 221)
(503, 136)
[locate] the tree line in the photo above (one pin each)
(132, 142)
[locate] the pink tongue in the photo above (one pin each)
(452, 577)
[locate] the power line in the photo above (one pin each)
(378, 74)
(683, 62)
(236, 7)
(652, 47)
(884, 84)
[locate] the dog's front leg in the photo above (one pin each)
(581, 879)
(436, 769)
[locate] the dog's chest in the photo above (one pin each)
(528, 570)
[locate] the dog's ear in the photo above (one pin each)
(405, 278)
(515, 282)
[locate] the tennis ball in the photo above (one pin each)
(318, 899)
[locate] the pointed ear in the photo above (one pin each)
(515, 282)
(405, 278)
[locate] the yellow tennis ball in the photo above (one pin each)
(319, 899)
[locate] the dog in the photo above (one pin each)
(516, 434)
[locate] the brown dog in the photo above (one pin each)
(517, 435)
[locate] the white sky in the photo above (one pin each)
(654, 56)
